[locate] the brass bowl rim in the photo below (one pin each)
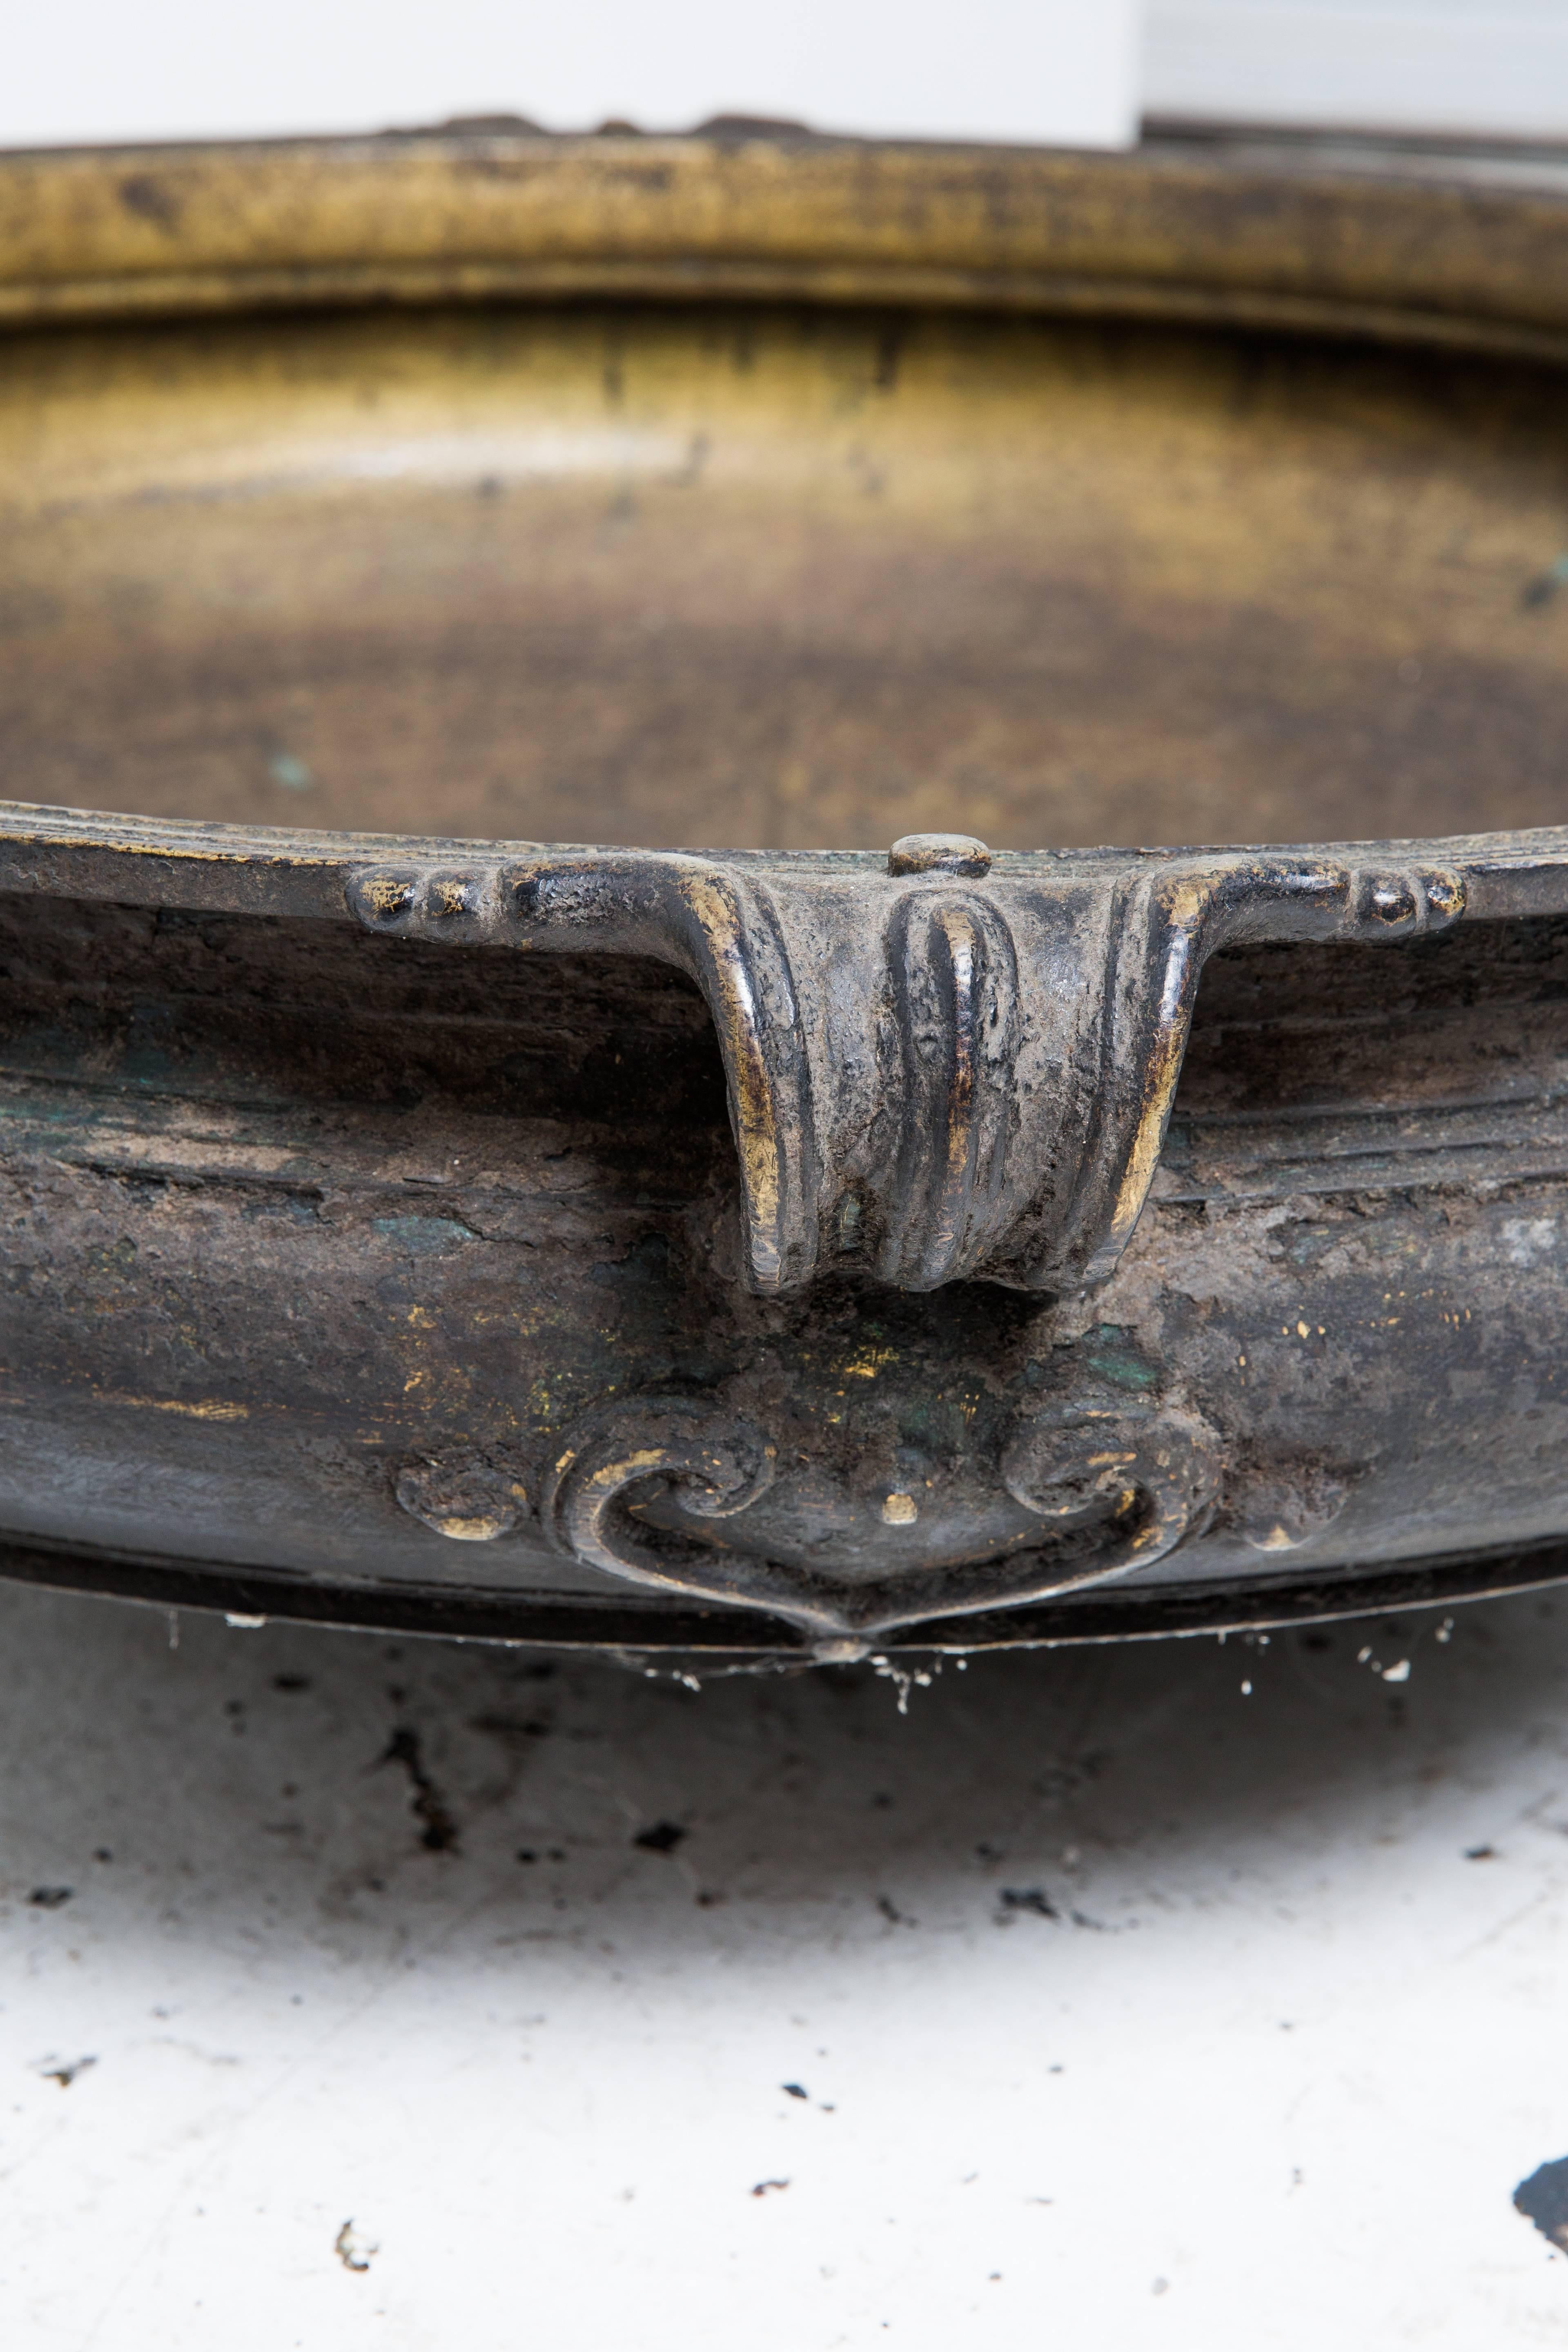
(1385, 245)
(1396, 246)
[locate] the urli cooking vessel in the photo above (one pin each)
(807, 1246)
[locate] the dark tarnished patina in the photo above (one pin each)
(794, 1248)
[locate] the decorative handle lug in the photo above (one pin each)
(952, 1065)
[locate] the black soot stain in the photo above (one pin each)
(150, 199)
(439, 1834)
(1029, 1898)
(65, 2074)
(662, 1838)
(1543, 2200)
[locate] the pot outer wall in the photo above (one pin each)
(321, 1248)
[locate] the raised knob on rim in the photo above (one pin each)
(939, 853)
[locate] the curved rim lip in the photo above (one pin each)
(1226, 234)
(618, 1623)
(203, 865)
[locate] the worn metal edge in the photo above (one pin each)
(441, 1613)
(268, 869)
(1327, 243)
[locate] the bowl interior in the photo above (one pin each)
(788, 578)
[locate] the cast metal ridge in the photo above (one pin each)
(547, 1622)
(35, 833)
(1208, 235)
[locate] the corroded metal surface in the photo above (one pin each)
(320, 1241)
(939, 1075)
(785, 1246)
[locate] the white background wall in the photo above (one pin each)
(1044, 70)
(1488, 68)
(1076, 71)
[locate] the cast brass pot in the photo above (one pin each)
(880, 1229)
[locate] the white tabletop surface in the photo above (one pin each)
(1122, 2009)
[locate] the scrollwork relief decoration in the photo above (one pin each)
(1158, 1470)
(1116, 1484)
(719, 1464)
